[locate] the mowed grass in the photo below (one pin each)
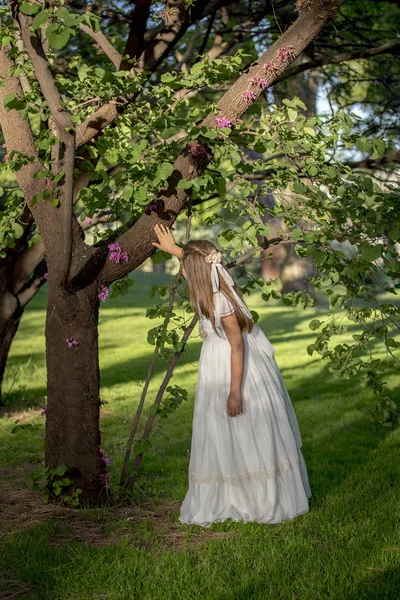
(346, 547)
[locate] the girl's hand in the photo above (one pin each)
(235, 406)
(166, 241)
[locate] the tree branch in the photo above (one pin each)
(63, 152)
(137, 241)
(388, 48)
(103, 43)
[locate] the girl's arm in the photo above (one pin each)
(234, 335)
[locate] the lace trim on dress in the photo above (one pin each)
(257, 475)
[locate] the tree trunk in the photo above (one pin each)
(74, 389)
(8, 327)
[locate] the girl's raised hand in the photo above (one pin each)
(166, 241)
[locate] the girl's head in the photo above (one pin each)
(198, 275)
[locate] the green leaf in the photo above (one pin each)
(127, 192)
(309, 131)
(312, 171)
(29, 9)
(363, 144)
(168, 77)
(369, 252)
(40, 19)
(18, 230)
(164, 170)
(314, 324)
(59, 40)
(292, 114)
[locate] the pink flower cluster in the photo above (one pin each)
(87, 220)
(116, 254)
(259, 81)
(285, 53)
(249, 95)
(71, 342)
(103, 293)
(196, 149)
(105, 459)
(221, 122)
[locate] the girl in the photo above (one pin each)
(245, 461)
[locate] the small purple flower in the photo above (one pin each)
(271, 66)
(259, 81)
(221, 122)
(285, 53)
(196, 149)
(105, 480)
(71, 342)
(249, 95)
(104, 457)
(117, 255)
(43, 412)
(46, 275)
(103, 293)
(153, 207)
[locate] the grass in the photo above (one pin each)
(346, 548)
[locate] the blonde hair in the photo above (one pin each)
(198, 276)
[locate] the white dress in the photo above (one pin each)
(249, 467)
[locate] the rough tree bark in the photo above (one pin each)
(77, 271)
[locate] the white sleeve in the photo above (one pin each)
(227, 307)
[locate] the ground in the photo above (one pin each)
(346, 548)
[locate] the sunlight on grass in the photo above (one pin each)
(346, 547)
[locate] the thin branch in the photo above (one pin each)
(104, 44)
(388, 48)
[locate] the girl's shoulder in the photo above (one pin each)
(225, 305)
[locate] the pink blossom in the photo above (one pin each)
(46, 276)
(249, 95)
(271, 66)
(258, 80)
(117, 255)
(104, 457)
(105, 480)
(88, 220)
(3, 146)
(71, 342)
(221, 122)
(103, 293)
(196, 148)
(284, 53)
(44, 411)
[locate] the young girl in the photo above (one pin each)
(245, 462)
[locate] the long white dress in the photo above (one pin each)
(249, 467)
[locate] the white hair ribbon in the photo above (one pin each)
(218, 269)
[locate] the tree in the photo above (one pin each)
(331, 60)
(43, 160)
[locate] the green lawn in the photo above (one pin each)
(346, 547)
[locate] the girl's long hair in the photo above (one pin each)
(198, 275)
